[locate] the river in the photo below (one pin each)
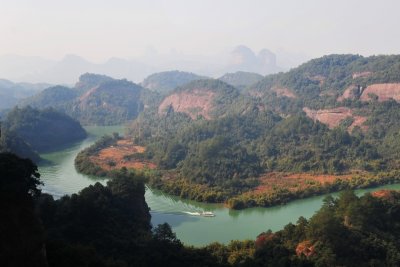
(60, 178)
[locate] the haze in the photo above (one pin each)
(196, 31)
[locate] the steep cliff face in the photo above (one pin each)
(384, 92)
(203, 98)
(198, 102)
(334, 117)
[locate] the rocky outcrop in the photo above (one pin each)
(333, 117)
(362, 74)
(305, 248)
(195, 103)
(351, 92)
(384, 92)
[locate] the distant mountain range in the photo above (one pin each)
(68, 69)
(11, 93)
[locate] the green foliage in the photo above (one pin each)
(228, 153)
(164, 82)
(11, 142)
(22, 235)
(242, 140)
(82, 160)
(318, 82)
(241, 79)
(57, 96)
(43, 130)
(110, 226)
(88, 81)
(110, 103)
(96, 100)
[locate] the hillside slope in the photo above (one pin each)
(95, 100)
(43, 130)
(164, 82)
(212, 143)
(241, 79)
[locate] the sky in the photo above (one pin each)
(100, 29)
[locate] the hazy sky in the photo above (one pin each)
(99, 29)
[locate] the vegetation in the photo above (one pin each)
(111, 103)
(43, 130)
(56, 96)
(164, 82)
(110, 226)
(245, 136)
(241, 79)
(318, 83)
(95, 100)
(22, 235)
(10, 142)
(82, 160)
(11, 93)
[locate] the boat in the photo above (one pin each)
(203, 213)
(207, 214)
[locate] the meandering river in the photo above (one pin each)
(60, 178)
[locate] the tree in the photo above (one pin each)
(21, 232)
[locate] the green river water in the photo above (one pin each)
(60, 178)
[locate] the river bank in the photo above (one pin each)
(60, 177)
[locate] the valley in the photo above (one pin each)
(60, 177)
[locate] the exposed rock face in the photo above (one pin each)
(362, 74)
(389, 195)
(330, 117)
(351, 92)
(384, 92)
(195, 103)
(305, 248)
(333, 117)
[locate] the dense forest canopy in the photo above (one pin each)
(43, 130)
(95, 100)
(307, 120)
(110, 226)
(164, 82)
(241, 79)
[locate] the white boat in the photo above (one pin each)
(207, 214)
(203, 213)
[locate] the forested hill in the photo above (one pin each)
(12, 143)
(336, 115)
(11, 93)
(44, 130)
(164, 82)
(203, 99)
(109, 226)
(331, 81)
(241, 79)
(95, 100)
